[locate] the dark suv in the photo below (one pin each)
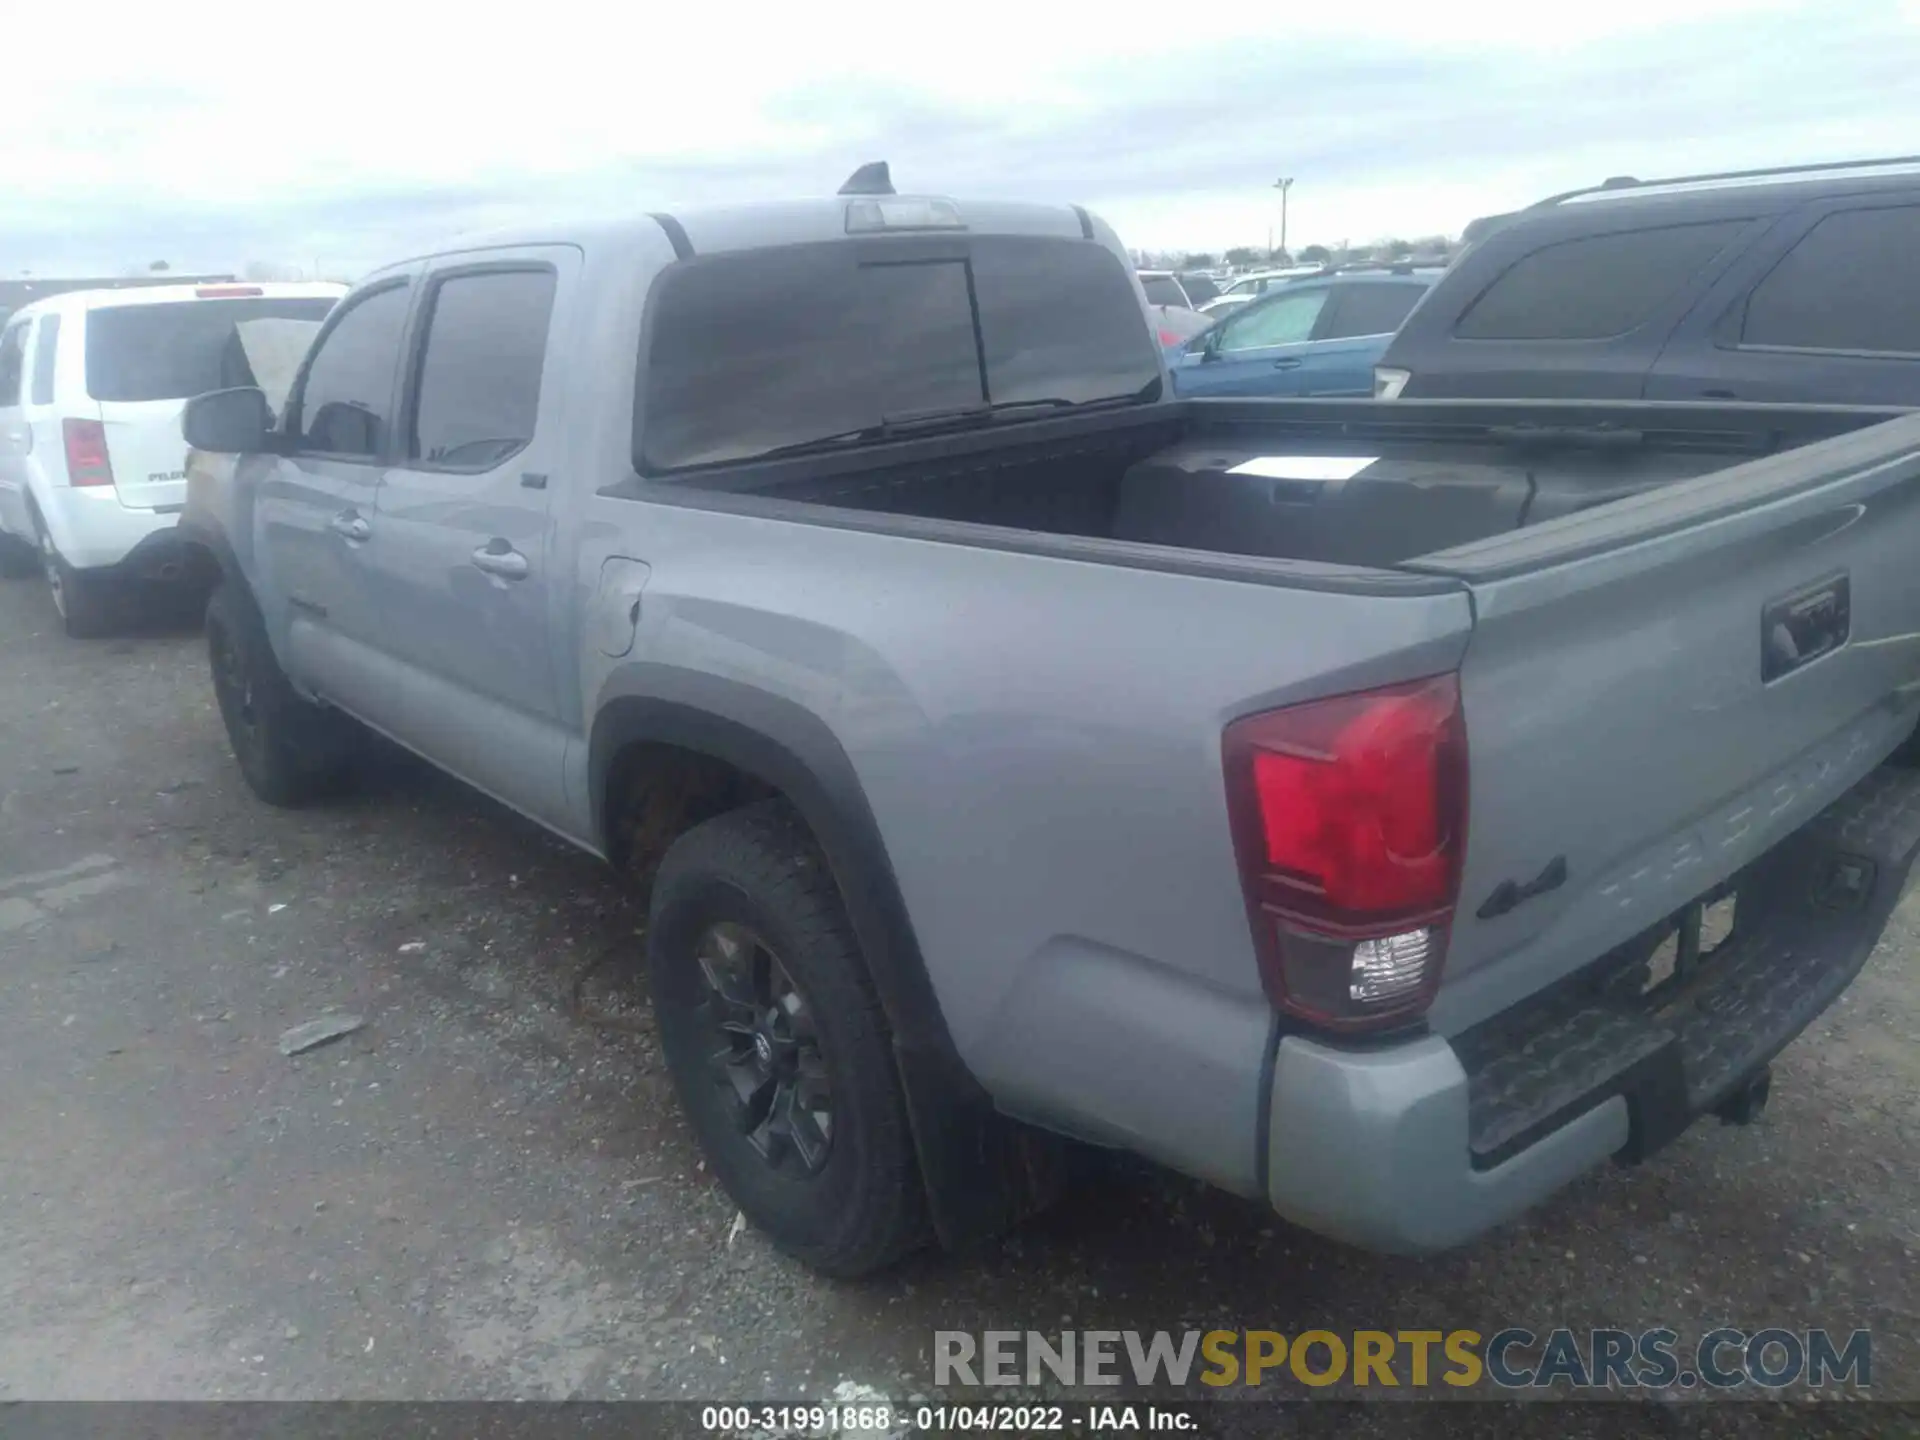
(1795, 284)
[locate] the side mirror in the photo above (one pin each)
(228, 422)
(1206, 344)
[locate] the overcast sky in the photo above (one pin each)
(210, 133)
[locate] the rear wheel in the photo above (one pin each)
(777, 1043)
(290, 750)
(83, 602)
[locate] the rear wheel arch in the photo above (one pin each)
(783, 749)
(983, 1172)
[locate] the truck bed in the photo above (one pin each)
(1355, 483)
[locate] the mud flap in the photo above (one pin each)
(984, 1173)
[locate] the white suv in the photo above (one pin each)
(92, 384)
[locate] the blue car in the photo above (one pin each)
(1315, 336)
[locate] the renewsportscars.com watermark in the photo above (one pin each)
(1772, 1357)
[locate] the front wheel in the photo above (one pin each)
(777, 1043)
(290, 750)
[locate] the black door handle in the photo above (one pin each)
(1718, 395)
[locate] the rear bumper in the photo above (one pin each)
(1420, 1146)
(94, 531)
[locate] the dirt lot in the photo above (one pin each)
(488, 1192)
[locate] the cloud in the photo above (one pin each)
(360, 130)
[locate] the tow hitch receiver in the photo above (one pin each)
(1743, 1107)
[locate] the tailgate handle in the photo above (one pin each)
(1798, 629)
(1510, 894)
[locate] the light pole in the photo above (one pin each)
(1283, 185)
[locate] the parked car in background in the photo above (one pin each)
(1175, 314)
(1258, 282)
(16, 295)
(1317, 336)
(1175, 327)
(92, 460)
(1217, 307)
(1200, 287)
(1166, 288)
(1793, 284)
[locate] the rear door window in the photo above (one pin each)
(1372, 309)
(1594, 288)
(1849, 285)
(479, 390)
(46, 344)
(346, 402)
(178, 349)
(762, 350)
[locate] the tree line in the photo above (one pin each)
(1242, 257)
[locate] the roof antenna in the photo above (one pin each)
(871, 178)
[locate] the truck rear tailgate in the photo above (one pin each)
(1658, 693)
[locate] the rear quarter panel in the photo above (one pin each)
(1039, 741)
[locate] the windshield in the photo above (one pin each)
(764, 350)
(178, 349)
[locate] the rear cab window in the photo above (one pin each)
(174, 350)
(1597, 287)
(762, 350)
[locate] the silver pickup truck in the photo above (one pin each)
(1340, 802)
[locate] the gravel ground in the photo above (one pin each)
(488, 1191)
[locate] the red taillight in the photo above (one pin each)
(226, 292)
(1350, 818)
(1167, 337)
(87, 460)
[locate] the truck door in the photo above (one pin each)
(315, 506)
(467, 570)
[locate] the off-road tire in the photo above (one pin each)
(758, 867)
(291, 751)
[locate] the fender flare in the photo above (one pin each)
(211, 536)
(983, 1172)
